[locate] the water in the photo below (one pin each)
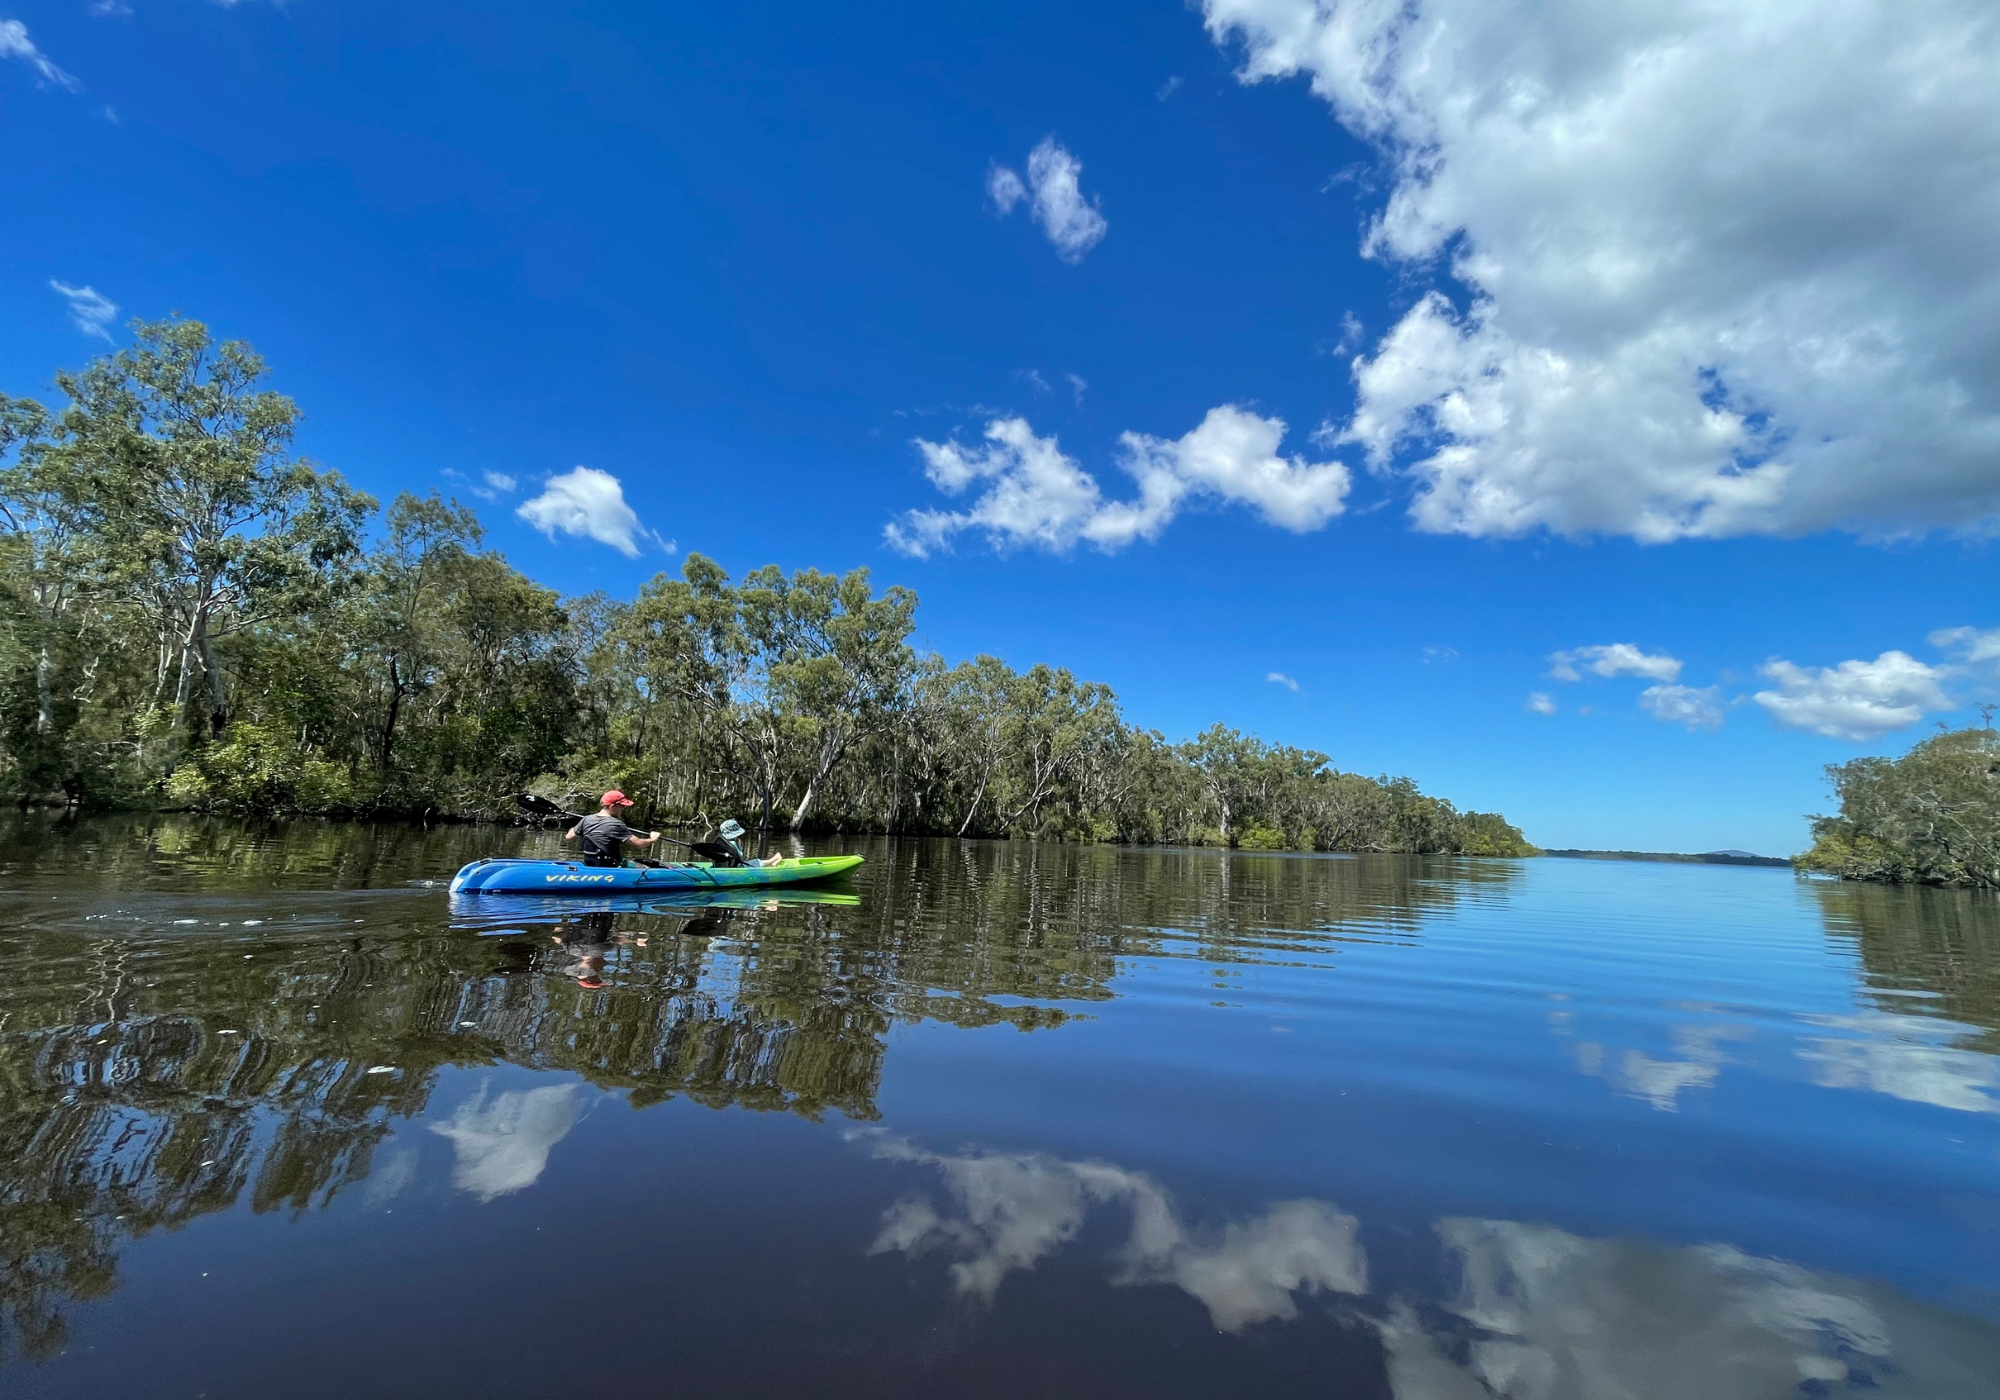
(992, 1120)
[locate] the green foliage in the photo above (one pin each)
(190, 614)
(1490, 834)
(1931, 816)
(1263, 838)
(255, 768)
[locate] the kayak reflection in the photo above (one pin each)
(472, 912)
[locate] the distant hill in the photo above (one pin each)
(1705, 858)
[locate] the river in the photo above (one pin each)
(988, 1119)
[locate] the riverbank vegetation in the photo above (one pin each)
(193, 616)
(1929, 817)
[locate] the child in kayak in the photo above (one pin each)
(604, 834)
(732, 830)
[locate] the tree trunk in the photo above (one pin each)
(977, 798)
(896, 789)
(395, 708)
(218, 693)
(799, 815)
(45, 710)
(183, 682)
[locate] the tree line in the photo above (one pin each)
(194, 616)
(1929, 817)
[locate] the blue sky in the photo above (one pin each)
(1662, 342)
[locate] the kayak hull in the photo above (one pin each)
(472, 911)
(545, 877)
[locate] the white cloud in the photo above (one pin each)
(1539, 703)
(1055, 193)
(89, 309)
(110, 9)
(591, 503)
(1168, 88)
(1440, 656)
(1037, 495)
(1731, 267)
(1034, 495)
(1004, 188)
(1077, 384)
(15, 43)
(1014, 1209)
(503, 1146)
(1856, 699)
(498, 484)
(1234, 454)
(1617, 659)
(1352, 333)
(1972, 645)
(1684, 704)
(1280, 678)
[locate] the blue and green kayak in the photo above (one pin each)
(498, 876)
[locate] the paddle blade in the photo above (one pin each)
(540, 806)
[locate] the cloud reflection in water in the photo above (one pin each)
(1661, 1082)
(503, 1146)
(1015, 1208)
(1905, 1057)
(1538, 1313)
(1541, 1314)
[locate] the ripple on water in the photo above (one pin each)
(993, 1118)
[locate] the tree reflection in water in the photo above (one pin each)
(1924, 952)
(163, 1056)
(180, 1035)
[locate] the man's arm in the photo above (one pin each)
(570, 835)
(637, 840)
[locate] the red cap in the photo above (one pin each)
(615, 798)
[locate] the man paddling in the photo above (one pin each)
(603, 834)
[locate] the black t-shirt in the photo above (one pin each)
(602, 836)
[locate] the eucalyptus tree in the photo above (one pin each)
(63, 644)
(917, 735)
(44, 571)
(176, 462)
(398, 617)
(1222, 757)
(977, 698)
(1055, 724)
(832, 655)
(690, 660)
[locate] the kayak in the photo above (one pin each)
(500, 876)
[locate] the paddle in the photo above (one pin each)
(707, 850)
(542, 807)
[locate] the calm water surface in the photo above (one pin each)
(278, 1118)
